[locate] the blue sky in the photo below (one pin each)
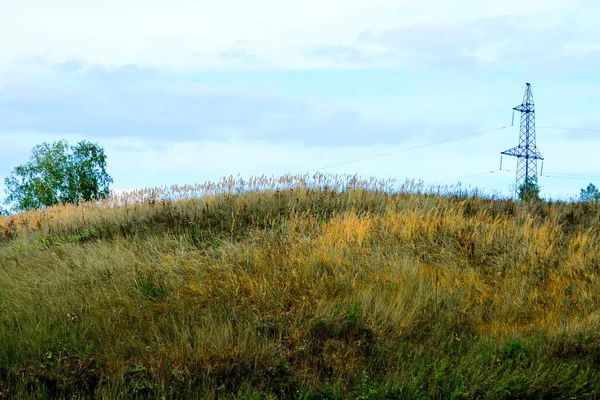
(190, 91)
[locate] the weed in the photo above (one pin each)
(514, 350)
(301, 287)
(151, 290)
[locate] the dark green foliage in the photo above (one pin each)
(85, 236)
(59, 174)
(513, 349)
(138, 382)
(591, 194)
(529, 190)
(152, 290)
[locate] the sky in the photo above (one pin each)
(185, 92)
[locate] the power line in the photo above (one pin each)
(497, 184)
(480, 174)
(553, 175)
(569, 129)
(484, 173)
(557, 174)
(570, 177)
(407, 149)
(468, 176)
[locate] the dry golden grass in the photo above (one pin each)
(281, 286)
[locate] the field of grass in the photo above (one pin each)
(320, 287)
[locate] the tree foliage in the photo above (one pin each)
(529, 190)
(590, 194)
(59, 173)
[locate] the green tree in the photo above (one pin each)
(590, 194)
(59, 173)
(529, 190)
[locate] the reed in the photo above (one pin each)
(301, 287)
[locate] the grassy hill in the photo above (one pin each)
(325, 287)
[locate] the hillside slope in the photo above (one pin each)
(332, 289)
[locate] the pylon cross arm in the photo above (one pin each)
(516, 152)
(524, 152)
(522, 108)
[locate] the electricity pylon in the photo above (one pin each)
(526, 151)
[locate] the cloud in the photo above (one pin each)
(37, 60)
(130, 101)
(70, 66)
(154, 33)
(508, 40)
(351, 55)
(240, 54)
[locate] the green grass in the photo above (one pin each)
(303, 292)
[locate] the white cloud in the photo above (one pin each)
(505, 40)
(158, 33)
(136, 102)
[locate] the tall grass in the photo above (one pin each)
(301, 287)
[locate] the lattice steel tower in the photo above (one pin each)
(526, 151)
